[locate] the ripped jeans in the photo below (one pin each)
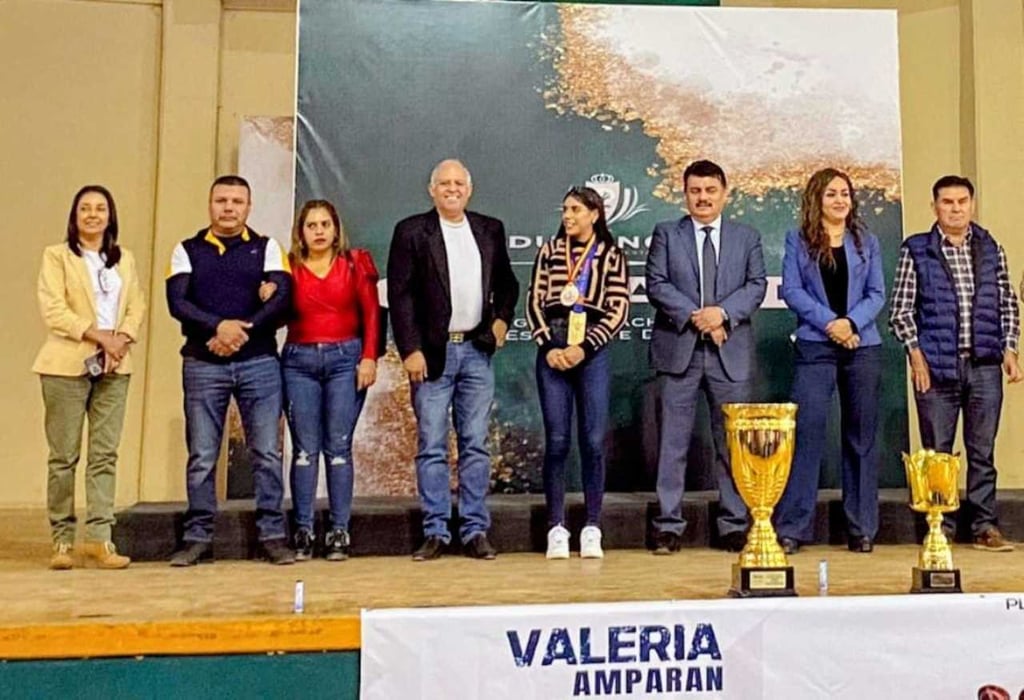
(322, 406)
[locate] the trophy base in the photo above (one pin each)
(762, 582)
(936, 581)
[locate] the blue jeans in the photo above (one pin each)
(467, 388)
(587, 384)
(819, 369)
(256, 386)
(978, 392)
(322, 406)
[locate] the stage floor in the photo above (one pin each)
(248, 606)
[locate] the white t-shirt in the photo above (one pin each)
(465, 276)
(106, 290)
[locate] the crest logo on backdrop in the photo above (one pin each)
(620, 203)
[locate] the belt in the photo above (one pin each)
(458, 337)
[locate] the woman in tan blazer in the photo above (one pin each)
(92, 305)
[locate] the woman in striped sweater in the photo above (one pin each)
(578, 301)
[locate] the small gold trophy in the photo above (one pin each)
(761, 437)
(933, 478)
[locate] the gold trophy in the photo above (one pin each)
(933, 478)
(761, 437)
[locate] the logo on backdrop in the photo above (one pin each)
(620, 203)
(625, 659)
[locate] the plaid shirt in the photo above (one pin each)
(904, 296)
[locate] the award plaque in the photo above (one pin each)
(933, 478)
(761, 437)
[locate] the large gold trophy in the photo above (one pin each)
(761, 437)
(933, 478)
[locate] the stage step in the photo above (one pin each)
(392, 525)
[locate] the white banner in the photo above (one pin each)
(932, 646)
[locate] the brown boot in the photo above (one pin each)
(61, 559)
(104, 555)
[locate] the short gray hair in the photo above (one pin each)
(456, 161)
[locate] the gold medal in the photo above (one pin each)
(570, 294)
(577, 327)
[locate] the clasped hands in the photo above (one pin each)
(710, 321)
(565, 358)
(231, 336)
(840, 331)
(115, 347)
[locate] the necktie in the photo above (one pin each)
(709, 271)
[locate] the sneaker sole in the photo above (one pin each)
(557, 555)
(592, 555)
(336, 557)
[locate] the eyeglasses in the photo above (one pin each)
(105, 277)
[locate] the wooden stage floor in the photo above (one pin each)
(242, 606)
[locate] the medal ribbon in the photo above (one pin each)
(580, 269)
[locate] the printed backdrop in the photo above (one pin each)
(536, 97)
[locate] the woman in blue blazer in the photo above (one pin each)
(832, 280)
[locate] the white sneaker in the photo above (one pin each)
(558, 543)
(590, 543)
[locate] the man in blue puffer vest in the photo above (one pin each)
(954, 309)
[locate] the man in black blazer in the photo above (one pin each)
(452, 294)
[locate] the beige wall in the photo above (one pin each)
(145, 96)
(80, 106)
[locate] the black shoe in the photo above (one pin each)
(432, 548)
(277, 552)
(193, 553)
(789, 545)
(477, 547)
(667, 543)
(733, 541)
(303, 544)
(860, 544)
(336, 542)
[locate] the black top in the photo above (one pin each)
(836, 278)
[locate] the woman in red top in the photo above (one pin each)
(328, 363)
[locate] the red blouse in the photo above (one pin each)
(341, 306)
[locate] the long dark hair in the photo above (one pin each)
(812, 227)
(110, 251)
(588, 197)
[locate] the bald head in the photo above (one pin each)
(450, 187)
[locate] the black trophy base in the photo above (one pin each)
(762, 582)
(936, 581)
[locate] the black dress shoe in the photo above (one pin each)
(477, 547)
(789, 545)
(733, 541)
(667, 543)
(432, 548)
(193, 553)
(277, 552)
(860, 544)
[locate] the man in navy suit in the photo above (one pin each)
(705, 279)
(452, 294)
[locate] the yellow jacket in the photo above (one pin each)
(69, 309)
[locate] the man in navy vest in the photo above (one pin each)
(230, 350)
(954, 309)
